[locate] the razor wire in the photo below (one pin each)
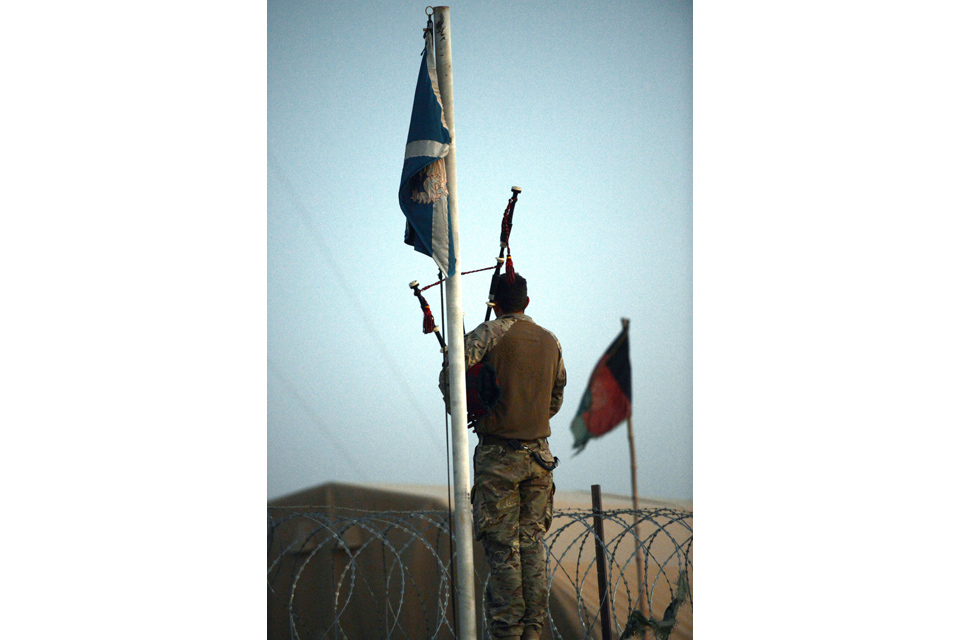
(343, 573)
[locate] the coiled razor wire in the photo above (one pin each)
(343, 573)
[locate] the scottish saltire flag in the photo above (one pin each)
(423, 185)
(607, 400)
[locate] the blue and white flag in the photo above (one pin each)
(423, 185)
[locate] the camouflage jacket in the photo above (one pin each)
(484, 338)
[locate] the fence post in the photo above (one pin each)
(601, 562)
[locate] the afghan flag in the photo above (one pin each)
(423, 183)
(607, 400)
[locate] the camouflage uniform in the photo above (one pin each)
(512, 510)
(512, 502)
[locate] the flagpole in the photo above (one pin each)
(458, 386)
(644, 608)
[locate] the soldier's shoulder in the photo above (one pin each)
(495, 328)
(502, 324)
(554, 336)
(540, 328)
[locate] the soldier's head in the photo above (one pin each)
(511, 297)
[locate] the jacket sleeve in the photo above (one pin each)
(556, 398)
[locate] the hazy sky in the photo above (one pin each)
(133, 250)
(585, 105)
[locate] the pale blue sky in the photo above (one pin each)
(133, 250)
(585, 105)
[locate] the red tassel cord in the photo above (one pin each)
(506, 225)
(429, 326)
(428, 323)
(511, 273)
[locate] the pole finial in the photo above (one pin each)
(625, 322)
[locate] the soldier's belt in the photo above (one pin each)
(520, 445)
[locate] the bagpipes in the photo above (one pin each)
(483, 390)
(506, 226)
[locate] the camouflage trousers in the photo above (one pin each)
(512, 509)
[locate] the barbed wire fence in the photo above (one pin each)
(343, 573)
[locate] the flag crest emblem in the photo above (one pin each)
(423, 182)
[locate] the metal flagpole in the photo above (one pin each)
(458, 384)
(644, 607)
(639, 559)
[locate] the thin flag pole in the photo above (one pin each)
(458, 385)
(638, 558)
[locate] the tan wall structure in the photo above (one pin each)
(348, 561)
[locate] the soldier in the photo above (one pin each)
(513, 468)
